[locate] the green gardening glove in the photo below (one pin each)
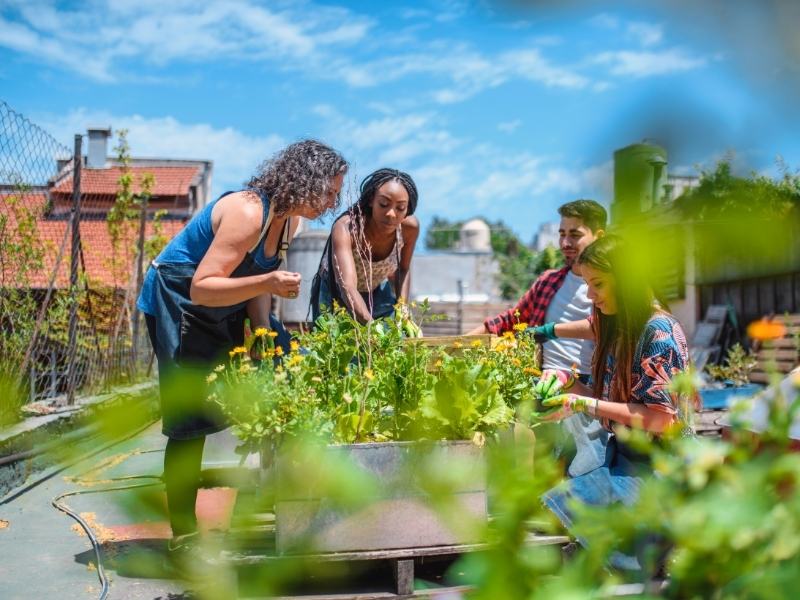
(542, 333)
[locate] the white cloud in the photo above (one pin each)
(645, 63)
(647, 34)
(236, 155)
(94, 39)
(509, 126)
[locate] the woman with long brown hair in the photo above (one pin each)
(639, 349)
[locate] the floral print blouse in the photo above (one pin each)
(662, 353)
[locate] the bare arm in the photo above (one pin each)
(635, 415)
(632, 414)
(581, 330)
(410, 233)
(238, 229)
(344, 266)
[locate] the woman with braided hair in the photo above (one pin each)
(368, 255)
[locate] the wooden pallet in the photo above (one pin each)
(782, 354)
(402, 561)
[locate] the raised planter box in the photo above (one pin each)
(397, 514)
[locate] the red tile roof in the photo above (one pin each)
(169, 181)
(104, 266)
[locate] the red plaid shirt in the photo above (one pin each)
(532, 306)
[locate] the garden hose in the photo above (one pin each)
(65, 509)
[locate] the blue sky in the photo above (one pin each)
(500, 109)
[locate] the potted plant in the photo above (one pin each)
(391, 413)
(730, 380)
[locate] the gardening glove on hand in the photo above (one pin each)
(569, 404)
(542, 333)
(550, 382)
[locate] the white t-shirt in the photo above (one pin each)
(570, 303)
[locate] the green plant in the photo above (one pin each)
(354, 383)
(737, 368)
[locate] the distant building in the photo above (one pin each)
(180, 188)
(464, 274)
(546, 236)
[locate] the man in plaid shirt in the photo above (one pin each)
(558, 297)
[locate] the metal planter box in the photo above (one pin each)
(396, 513)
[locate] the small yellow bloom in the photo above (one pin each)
(272, 334)
(260, 332)
(516, 362)
(211, 378)
(295, 360)
(509, 335)
(369, 374)
(520, 327)
(476, 344)
(245, 368)
(267, 353)
(294, 345)
(458, 345)
(516, 312)
(238, 350)
(278, 351)
(219, 368)
(531, 371)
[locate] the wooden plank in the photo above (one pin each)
(267, 554)
(403, 572)
(454, 591)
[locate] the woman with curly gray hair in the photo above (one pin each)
(223, 267)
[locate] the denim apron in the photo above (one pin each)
(189, 340)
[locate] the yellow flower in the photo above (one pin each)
(369, 374)
(476, 344)
(294, 345)
(438, 364)
(267, 353)
(239, 350)
(211, 378)
(219, 368)
(260, 332)
(520, 327)
(531, 371)
(509, 335)
(278, 350)
(516, 312)
(516, 362)
(245, 368)
(296, 359)
(272, 334)
(458, 345)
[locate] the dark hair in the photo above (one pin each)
(299, 175)
(619, 333)
(376, 179)
(592, 213)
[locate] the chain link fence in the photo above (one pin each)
(72, 246)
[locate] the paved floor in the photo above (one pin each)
(46, 554)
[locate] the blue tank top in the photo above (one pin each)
(193, 241)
